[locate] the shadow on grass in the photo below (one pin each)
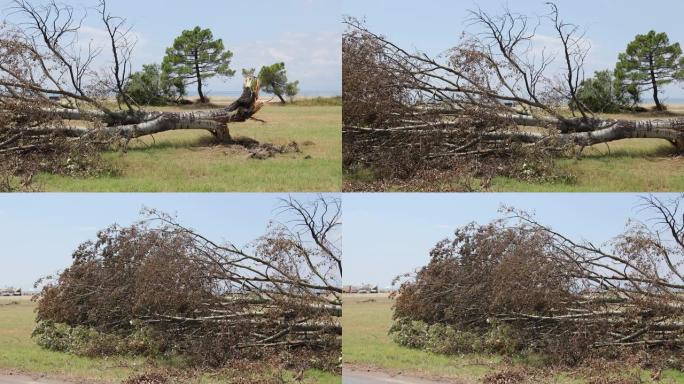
(606, 152)
(205, 141)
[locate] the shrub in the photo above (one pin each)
(52, 336)
(87, 341)
(501, 338)
(437, 338)
(605, 94)
(409, 333)
(152, 87)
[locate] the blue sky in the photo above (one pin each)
(305, 34)
(389, 234)
(436, 25)
(384, 235)
(38, 232)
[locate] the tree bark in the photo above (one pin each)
(658, 106)
(199, 80)
(569, 132)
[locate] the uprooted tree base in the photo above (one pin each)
(515, 286)
(158, 289)
(481, 110)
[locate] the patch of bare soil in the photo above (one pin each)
(266, 150)
(253, 149)
(357, 374)
(12, 378)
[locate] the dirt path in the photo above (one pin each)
(23, 379)
(352, 376)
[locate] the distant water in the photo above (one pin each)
(237, 93)
(665, 99)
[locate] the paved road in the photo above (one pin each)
(21, 379)
(362, 377)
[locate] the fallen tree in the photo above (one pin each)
(163, 288)
(55, 102)
(518, 286)
(494, 96)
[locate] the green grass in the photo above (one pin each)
(366, 321)
(312, 101)
(629, 165)
(365, 342)
(18, 353)
(184, 161)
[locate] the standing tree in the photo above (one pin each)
(291, 90)
(651, 61)
(196, 56)
(274, 80)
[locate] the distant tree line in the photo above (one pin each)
(195, 57)
(648, 63)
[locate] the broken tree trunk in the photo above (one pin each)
(568, 132)
(127, 126)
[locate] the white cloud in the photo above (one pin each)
(279, 55)
(315, 60)
(98, 38)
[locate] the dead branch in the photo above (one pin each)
(550, 288)
(282, 291)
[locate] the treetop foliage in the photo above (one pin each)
(194, 50)
(274, 80)
(195, 56)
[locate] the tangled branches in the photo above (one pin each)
(494, 99)
(541, 291)
(204, 299)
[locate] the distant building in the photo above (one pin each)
(365, 288)
(10, 292)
